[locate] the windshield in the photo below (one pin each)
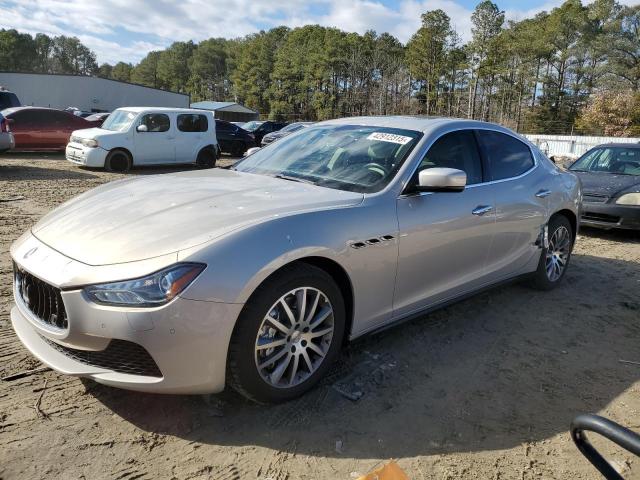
(346, 157)
(617, 160)
(251, 126)
(118, 121)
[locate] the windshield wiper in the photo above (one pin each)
(293, 179)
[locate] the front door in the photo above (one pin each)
(156, 145)
(444, 236)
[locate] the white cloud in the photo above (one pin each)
(128, 29)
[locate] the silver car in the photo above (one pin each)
(255, 277)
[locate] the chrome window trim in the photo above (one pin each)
(424, 151)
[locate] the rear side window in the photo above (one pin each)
(507, 156)
(192, 123)
(156, 122)
(455, 150)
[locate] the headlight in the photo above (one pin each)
(150, 291)
(87, 142)
(629, 199)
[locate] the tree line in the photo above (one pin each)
(575, 68)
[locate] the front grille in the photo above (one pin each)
(120, 356)
(42, 299)
(594, 198)
(600, 217)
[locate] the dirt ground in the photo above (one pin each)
(484, 389)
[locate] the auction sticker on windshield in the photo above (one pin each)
(389, 137)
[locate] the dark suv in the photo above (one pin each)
(233, 139)
(8, 99)
(260, 129)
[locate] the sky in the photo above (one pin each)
(128, 29)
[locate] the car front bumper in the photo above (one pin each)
(7, 142)
(87, 156)
(185, 341)
(610, 215)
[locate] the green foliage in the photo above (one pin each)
(541, 74)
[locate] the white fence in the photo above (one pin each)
(572, 146)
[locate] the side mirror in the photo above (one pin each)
(441, 180)
(142, 128)
(251, 151)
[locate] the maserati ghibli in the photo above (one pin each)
(254, 277)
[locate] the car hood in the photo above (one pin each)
(607, 184)
(149, 216)
(93, 133)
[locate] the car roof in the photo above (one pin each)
(619, 144)
(408, 122)
(163, 109)
(11, 110)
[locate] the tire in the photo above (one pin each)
(302, 355)
(206, 158)
(118, 161)
(554, 260)
(238, 148)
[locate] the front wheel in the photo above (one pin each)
(118, 161)
(287, 336)
(554, 260)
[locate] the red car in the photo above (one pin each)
(36, 128)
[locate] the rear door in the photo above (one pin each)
(27, 128)
(444, 236)
(156, 145)
(521, 193)
(191, 136)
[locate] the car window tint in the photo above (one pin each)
(455, 150)
(28, 118)
(156, 122)
(507, 156)
(192, 123)
(223, 126)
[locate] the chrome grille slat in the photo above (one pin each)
(43, 300)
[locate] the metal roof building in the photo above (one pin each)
(91, 94)
(229, 111)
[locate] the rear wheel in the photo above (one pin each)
(287, 336)
(554, 260)
(118, 161)
(206, 158)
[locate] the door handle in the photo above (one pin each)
(481, 210)
(543, 193)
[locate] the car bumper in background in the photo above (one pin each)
(87, 156)
(607, 215)
(7, 141)
(180, 347)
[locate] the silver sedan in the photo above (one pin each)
(255, 277)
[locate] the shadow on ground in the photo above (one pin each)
(509, 366)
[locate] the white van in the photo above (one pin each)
(133, 136)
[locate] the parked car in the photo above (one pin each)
(98, 118)
(36, 128)
(8, 99)
(233, 139)
(136, 136)
(610, 176)
(283, 132)
(6, 137)
(254, 276)
(259, 128)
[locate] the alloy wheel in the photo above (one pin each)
(558, 252)
(294, 337)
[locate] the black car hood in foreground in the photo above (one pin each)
(607, 184)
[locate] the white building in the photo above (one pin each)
(91, 94)
(229, 111)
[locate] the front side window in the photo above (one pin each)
(346, 157)
(455, 150)
(618, 160)
(119, 121)
(507, 156)
(156, 122)
(192, 123)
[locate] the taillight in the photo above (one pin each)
(4, 125)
